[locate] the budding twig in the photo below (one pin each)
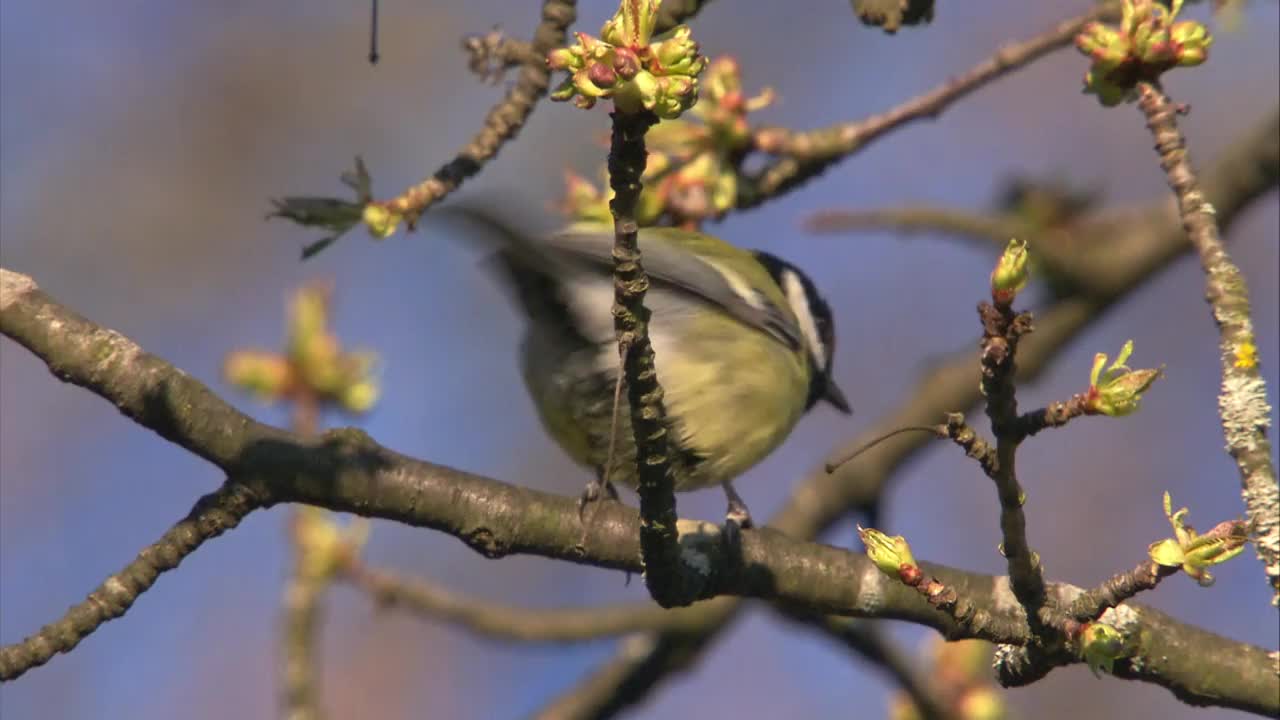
(1242, 402)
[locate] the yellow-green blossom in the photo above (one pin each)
(1117, 391)
(1194, 553)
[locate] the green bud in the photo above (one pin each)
(1101, 645)
(324, 546)
(639, 93)
(1147, 43)
(1109, 94)
(678, 54)
(632, 25)
(1190, 57)
(725, 194)
(1106, 46)
(1192, 41)
(1117, 391)
(564, 91)
(1011, 272)
(265, 375)
(564, 59)
(359, 397)
(585, 86)
(982, 703)
(1159, 51)
(890, 553)
(380, 220)
(674, 94)
(1195, 553)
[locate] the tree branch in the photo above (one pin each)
(670, 583)
(989, 231)
(503, 622)
(1138, 246)
(805, 155)
(1002, 331)
(870, 644)
(1117, 589)
(501, 123)
(212, 515)
(346, 471)
(1242, 403)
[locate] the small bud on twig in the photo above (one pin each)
(1194, 553)
(1119, 389)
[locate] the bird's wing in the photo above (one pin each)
(668, 262)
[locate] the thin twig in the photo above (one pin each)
(988, 231)
(1117, 589)
(805, 155)
(1053, 415)
(502, 122)
(301, 600)
(503, 622)
(1242, 402)
(869, 643)
(1002, 329)
(212, 515)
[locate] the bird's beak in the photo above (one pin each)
(835, 396)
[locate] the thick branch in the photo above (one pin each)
(212, 515)
(806, 155)
(346, 471)
(1242, 402)
(1145, 242)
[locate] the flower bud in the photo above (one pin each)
(1195, 553)
(585, 86)
(1011, 272)
(626, 63)
(264, 375)
(1119, 390)
(891, 554)
(1104, 45)
(678, 54)
(1101, 646)
(380, 220)
(632, 25)
(564, 59)
(982, 703)
(1147, 43)
(359, 397)
(601, 76)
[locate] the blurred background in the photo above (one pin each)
(141, 141)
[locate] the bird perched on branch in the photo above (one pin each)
(743, 344)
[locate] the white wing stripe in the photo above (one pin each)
(799, 302)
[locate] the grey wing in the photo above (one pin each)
(672, 265)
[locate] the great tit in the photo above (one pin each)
(743, 344)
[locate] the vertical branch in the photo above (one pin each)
(1242, 402)
(301, 599)
(659, 542)
(1002, 328)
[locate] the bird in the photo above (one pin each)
(743, 343)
